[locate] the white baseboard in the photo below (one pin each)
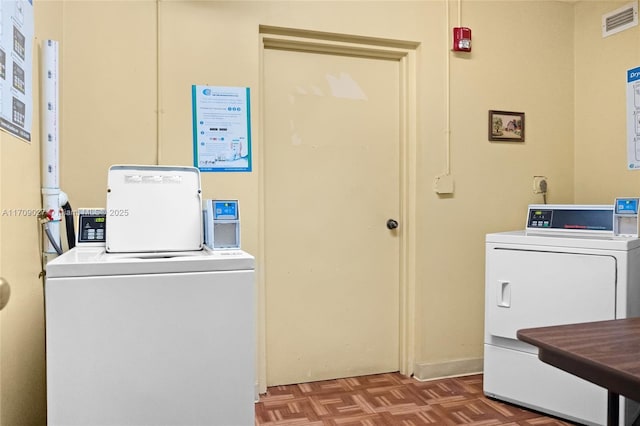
(459, 367)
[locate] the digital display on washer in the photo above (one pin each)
(626, 206)
(92, 229)
(540, 218)
(578, 219)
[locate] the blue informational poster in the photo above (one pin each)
(633, 119)
(221, 128)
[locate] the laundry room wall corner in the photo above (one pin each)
(492, 179)
(22, 351)
(111, 94)
(602, 161)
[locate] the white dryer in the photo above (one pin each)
(567, 267)
(150, 338)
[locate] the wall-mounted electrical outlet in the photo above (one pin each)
(540, 184)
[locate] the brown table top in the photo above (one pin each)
(606, 353)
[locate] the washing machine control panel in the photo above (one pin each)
(540, 218)
(92, 224)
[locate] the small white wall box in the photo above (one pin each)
(222, 224)
(625, 217)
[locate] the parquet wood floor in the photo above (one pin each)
(391, 399)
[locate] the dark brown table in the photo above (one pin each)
(606, 353)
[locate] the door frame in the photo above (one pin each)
(404, 52)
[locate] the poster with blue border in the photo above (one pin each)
(16, 62)
(221, 128)
(633, 119)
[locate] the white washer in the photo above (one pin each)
(541, 279)
(150, 338)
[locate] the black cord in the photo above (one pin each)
(68, 224)
(543, 189)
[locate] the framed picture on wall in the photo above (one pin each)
(506, 126)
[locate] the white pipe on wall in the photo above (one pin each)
(50, 144)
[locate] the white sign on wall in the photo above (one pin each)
(16, 62)
(633, 119)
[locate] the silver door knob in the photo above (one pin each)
(392, 224)
(5, 293)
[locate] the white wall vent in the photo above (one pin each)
(620, 19)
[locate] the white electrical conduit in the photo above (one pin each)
(447, 129)
(159, 75)
(447, 39)
(50, 155)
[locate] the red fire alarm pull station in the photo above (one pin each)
(462, 39)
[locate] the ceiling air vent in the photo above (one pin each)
(620, 19)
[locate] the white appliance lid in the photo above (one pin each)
(566, 240)
(95, 261)
(153, 208)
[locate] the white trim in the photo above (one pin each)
(460, 367)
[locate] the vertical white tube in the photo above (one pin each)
(50, 144)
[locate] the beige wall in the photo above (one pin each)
(600, 126)
(108, 92)
(522, 60)
(517, 64)
(126, 77)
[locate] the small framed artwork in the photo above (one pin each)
(506, 126)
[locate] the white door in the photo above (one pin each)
(331, 170)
